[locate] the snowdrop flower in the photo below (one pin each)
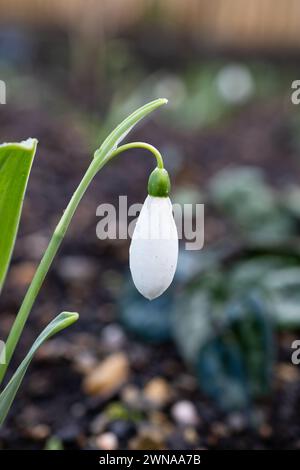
(154, 247)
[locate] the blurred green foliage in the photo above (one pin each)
(148, 320)
(230, 343)
(242, 194)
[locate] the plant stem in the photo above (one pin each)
(55, 243)
(141, 145)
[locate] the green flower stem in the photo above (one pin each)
(55, 243)
(141, 145)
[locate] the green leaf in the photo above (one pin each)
(15, 164)
(121, 131)
(62, 321)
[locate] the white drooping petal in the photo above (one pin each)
(153, 251)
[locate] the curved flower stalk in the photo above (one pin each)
(154, 247)
(152, 261)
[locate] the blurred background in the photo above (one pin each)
(208, 365)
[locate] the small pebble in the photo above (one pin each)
(184, 412)
(236, 422)
(112, 338)
(108, 376)
(158, 392)
(219, 430)
(107, 441)
(265, 431)
(21, 274)
(148, 439)
(160, 421)
(38, 432)
(131, 395)
(191, 436)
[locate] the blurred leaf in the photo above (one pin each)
(291, 200)
(148, 320)
(227, 339)
(192, 323)
(243, 195)
(251, 273)
(278, 280)
(283, 287)
(121, 131)
(62, 321)
(15, 164)
(252, 327)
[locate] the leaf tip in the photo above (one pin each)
(28, 144)
(72, 317)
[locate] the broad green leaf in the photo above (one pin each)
(62, 321)
(15, 164)
(121, 131)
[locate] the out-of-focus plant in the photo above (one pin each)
(230, 316)
(152, 261)
(230, 344)
(148, 320)
(242, 194)
(267, 223)
(278, 278)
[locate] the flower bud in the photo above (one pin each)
(153, 251)
(159, 183)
